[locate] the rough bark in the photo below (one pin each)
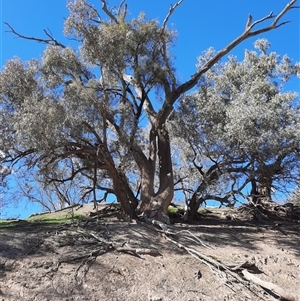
(147, 172)
(123, 192)
(159, 201)
(165, 193)
(264, 187)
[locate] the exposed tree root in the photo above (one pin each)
(237, 273)
(267, 212)
(102, 246)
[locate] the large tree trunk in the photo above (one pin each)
(165, 192)
(121, 188)
(147, 170)
(155, 203)
(264, 187)
(261, 197)
(123, 192)
(261, 188)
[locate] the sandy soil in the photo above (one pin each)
(111, 259)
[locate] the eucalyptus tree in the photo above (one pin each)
(95, 106)
(246, 124)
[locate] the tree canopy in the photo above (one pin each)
(85, 122)
(241, 127)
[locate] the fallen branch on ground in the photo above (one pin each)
(286, 296)
(138, 251)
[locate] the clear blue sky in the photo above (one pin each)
(200, 24)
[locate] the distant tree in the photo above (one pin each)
(95, 105)
(242, 128)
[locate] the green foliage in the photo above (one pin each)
(242, 116)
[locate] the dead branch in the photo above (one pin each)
(102, 215)
(138, 251)
(215, 266)
(284, 295)
(249, 26)
(106, 10)
(96, 12)
(72, 258)
(120, 247)
(196, 239)
(172, 9)
(51, 41)
(99, 239)
(164, 49)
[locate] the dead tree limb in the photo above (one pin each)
(138, 251)
(284, 295)
(172, 9)
(106, 10)
(51, 41)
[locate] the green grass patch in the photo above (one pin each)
(55, 220)
(8, 223)
(39, 220)
(173, 210)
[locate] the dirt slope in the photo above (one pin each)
(111, 259)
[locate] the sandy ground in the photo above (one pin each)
(110, 259)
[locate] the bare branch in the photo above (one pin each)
(50, 41)
(172, 9)
(142, 96)
(248, 21)
(269, 16)
(124, 12)
(70, 178)
(288, 7)
(105, 9)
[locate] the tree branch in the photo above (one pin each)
(249, 26)
(124, 11)
(105, 9)
(172, 9)
(50, 41)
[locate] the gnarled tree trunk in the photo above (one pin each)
(156, 202)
